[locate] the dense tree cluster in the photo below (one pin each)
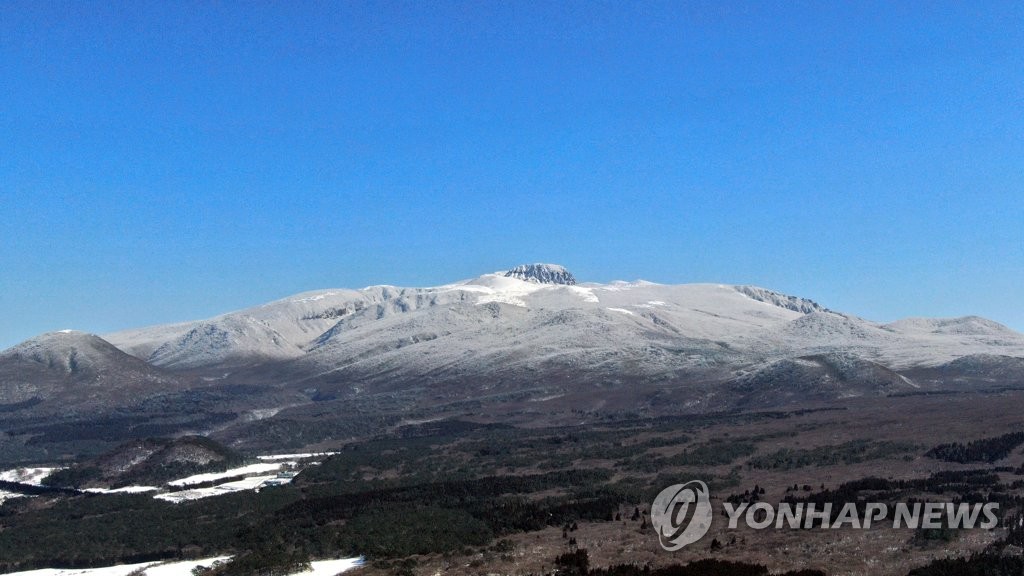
(984, 450)
(290, 522)
(851, 452)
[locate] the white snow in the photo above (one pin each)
(186, 495)
(5, 496)
(182, 568)
(587, 294)
(272, 457)
(315, 298)
(502, 299)
(255, 478)
(332, 567)
(252, 477)
(123, 490)
(33, 476)
(264, 413)
(241, 471)
(120, 570)
(623, 311)
(249, 483)
(185, 567)
(500, 288)
(552, 320)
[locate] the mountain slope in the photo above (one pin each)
(534, 317)
(272, 331)
(815, 378)
(61, 371)
(530, 333)
(530, 342)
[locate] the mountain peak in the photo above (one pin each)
(542, 274)
(794, 303)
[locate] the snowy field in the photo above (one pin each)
(33, 476)
(8, 495)
(184, 568)
(272, 470)
(275, 457)
(252, 477)
(249, 483)
(261, 468)
(124, 490)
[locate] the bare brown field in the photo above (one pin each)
(913, 424)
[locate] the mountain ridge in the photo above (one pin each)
(292, 327)
(496, 344)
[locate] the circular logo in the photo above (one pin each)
(682, 514)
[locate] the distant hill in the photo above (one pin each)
(148, 462)
(75, 371)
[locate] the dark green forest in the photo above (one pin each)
(459, 487)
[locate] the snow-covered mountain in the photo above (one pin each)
(535, 330)
(536, 314)
(68, 370)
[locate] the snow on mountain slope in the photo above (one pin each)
(185, 568)
(65, 352)
(531, 332)
(223, 341)
(283, 329)
(272, 331)
(535, 315)
(497, 342)
(817, 377)
(542, 274)
(899, 345)
(75, 368)
(500, 332)
(963, 326)
(794, 303)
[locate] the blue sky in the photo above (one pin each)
(165, 161)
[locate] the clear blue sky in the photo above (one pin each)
(165, 161)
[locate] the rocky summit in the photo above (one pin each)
(542, 274)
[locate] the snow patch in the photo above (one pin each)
(272, 457)
(5, 496)
(264, 413)
(245, 484)
(33, 476)
(502, 299)
(332, 567)
(586, 293)
(214, 476)
(123, 490)
(185, 567)
(182, 568)
(622, 285)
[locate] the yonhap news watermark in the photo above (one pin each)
(683, 513)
